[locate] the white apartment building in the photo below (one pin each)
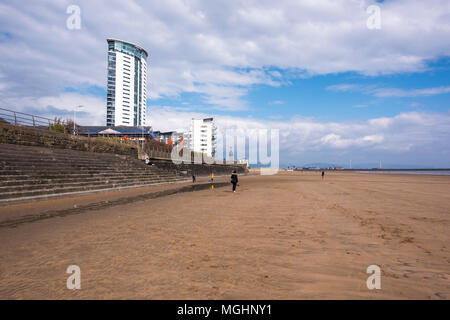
(202, 136)
(127, 84)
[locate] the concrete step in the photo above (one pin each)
(38, 162)
(28, 193)
(93, 184)
(72, 160)
(34, 171)
(63, 180)
(77, 175)
(71, 194)
(10, 157)
(38, 181)
(61, 168)
(11, 148)
(27, 158)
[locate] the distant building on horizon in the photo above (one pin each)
(126, 102)
(202, 136)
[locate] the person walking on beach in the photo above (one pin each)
(323, 174)
(234, 180)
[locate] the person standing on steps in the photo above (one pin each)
(193, 177)
(212, 177)
(234, 180)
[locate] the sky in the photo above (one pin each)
(338, 80)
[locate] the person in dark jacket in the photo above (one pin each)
(234, 180)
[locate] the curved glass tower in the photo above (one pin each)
(126, 99)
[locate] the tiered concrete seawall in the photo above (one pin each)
(28, 173)
(37, 164)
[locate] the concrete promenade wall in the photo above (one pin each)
(43, 138)
(200, 169)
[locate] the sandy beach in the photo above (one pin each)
(287, 236)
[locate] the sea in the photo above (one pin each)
(410, 172)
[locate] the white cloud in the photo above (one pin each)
(203, 46)
(394, 92)
(344, 87)
(411, 136)
(388, 92)
(277, 102)
(93, 111)
(336, 141)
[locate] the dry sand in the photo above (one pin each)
(289, 236)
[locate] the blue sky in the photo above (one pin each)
(313, 96)
(335, 88)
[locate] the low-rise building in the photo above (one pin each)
(126, 132)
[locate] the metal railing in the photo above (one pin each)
(155, 152)
(24, 119)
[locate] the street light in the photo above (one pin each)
(74, 118)
(142, 137)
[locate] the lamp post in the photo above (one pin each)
(74, 119)
(142, 135)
